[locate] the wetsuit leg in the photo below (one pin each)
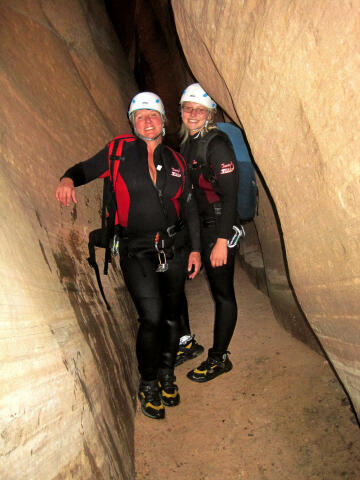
(183, 238)
(184, 327)
(172, 287)
(221, 280)
(143, 284)
(158, 299)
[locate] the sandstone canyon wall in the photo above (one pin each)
(289, 72)
(67, 365)
(147, 32)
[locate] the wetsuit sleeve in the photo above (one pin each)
(223, 163)
(190, 214)
(85, 172)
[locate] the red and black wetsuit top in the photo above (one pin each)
(222, 166)
(139, 208)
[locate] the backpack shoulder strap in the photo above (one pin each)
(115, 151)
(204, 144)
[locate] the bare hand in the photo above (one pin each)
(194, 264)
(218, 256)
(65, 192)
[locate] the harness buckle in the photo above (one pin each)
(115, 245)
(171, 231)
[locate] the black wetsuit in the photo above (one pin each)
(143, 210)
(215, 187)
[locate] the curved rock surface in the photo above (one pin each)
(289, 73)
(67, 365)
(146, 30)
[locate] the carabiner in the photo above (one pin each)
(163, 266)
(239, 233)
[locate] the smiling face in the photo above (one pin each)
(148, 123)
(194, 116)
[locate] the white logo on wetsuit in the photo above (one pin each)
(175, 172)
(227, 168)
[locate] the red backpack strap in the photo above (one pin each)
(115, 150)
(115, 154)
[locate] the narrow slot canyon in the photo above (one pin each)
(286, 73)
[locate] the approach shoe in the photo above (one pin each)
(150, 399)
(169, 390)
(189, 350)
(215, 365)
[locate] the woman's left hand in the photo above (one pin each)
(194, 264)
(218, 256)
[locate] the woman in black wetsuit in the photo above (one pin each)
(153, 195)
(215, 185)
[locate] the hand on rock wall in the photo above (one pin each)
(66, 191)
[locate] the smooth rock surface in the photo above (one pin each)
(68, 369)
(288, 72)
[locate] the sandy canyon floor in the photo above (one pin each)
(280, 414)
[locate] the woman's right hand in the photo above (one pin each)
(218, 255)
(194, 264)
(65, 192)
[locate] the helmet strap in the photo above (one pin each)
(195, 130)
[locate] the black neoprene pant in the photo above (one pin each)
(157, 298)
(221, 281)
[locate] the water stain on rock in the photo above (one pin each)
(44, 255)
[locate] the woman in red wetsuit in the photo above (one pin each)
(153, 196)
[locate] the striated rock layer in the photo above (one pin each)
(68, 368)
(289, 72)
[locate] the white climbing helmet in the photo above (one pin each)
(146, 100)
(195, 93)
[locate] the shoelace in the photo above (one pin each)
(151, 394)
(209, 363)
(167, 381)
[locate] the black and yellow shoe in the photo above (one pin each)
(215, 365)
(168, 389)
(150, 399)
(189, 350)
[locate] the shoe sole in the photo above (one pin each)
(148, 414)
(169, 403)
(151, 416)
(204, 379)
